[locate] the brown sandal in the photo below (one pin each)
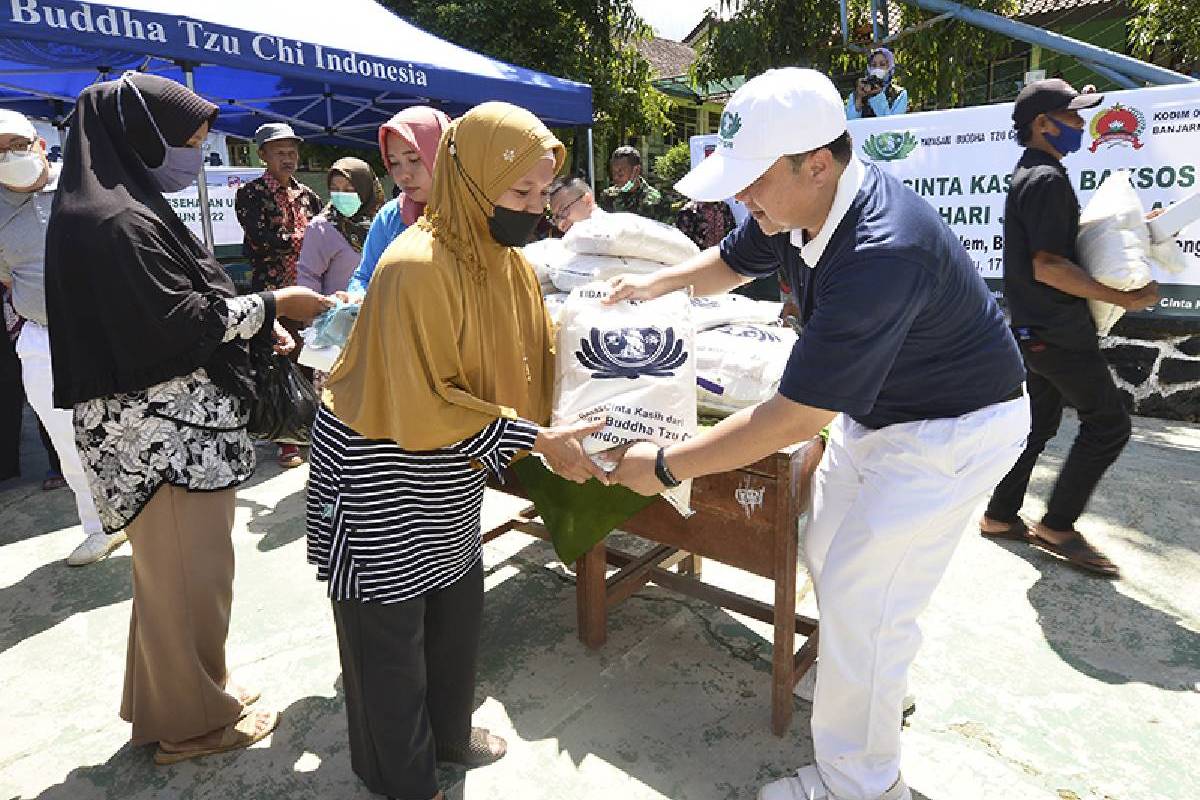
(1016, 531)
(1078, 553)
(481, 749)
(243, 733)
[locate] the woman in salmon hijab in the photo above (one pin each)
(446, 377)
(408, 143)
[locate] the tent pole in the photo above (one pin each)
(591, 162)
(201, 180)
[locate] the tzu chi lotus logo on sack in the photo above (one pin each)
(749, 332)
(1118, 125)
(632, 353)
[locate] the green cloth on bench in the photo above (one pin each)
(577, 515)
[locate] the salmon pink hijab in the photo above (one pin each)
(421, 127)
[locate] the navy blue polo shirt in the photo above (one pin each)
(897, 324)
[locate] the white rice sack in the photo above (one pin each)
(544, 256)
(582, 269)
(631, 236)
(723, 309)
(739, 366)
(1113, 244)
(554, 305)
(632, 363)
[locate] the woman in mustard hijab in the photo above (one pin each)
(447, 375)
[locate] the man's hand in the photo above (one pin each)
(562, 450)
(633, 287)
(282, 340)
(636, 469)
(1138, 299)
(300, 303)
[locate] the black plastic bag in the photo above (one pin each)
(287, 402)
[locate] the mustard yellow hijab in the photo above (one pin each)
(453, 332)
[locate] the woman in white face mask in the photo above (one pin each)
(876, 94)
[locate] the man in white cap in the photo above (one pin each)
(274, 211)
(27, 185)
(907, 358)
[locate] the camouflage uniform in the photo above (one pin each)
(643, 200)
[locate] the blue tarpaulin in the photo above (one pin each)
(334, 71)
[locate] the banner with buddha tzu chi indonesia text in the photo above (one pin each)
(961, 161)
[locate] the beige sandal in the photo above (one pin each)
(243, 733)
(247, 697)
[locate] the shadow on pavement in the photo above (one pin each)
(283, 768)
(1105, 634)
(53, 592)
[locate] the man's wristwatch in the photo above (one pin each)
(662, 472)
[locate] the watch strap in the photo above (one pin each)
(663, 472)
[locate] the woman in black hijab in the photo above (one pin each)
(149, 344)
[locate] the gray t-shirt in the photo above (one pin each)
(23, 220)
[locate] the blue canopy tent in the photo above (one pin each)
(333, 73)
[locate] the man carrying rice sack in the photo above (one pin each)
(1047, 293)
(904, 354)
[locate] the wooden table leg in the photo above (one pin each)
(591, 600)
(691, 566)
(783, 657)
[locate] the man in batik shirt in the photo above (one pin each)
(274, 210)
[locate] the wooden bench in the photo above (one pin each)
(746, 518)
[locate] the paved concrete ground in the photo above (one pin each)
(1035, 683)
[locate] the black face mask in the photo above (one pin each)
(512, 228)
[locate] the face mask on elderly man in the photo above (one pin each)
(21, 169)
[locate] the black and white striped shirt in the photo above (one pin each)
(387, 524)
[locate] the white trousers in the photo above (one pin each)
(33, 348)
(888, 508)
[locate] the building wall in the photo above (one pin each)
(1109, 32)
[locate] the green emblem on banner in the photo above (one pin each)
(730, 125)
(890, 146)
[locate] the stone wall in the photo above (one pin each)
(1156, 363)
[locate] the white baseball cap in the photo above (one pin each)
(17, 124)
(778, 113)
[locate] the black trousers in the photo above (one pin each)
(408, 670)
(1080, 379)
(51, 453)
(12, 404)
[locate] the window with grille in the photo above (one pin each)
(682, 125)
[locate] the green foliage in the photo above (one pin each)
(945, 65)
(673, 164)
(762, 34)
(591, 41)
(1166, 32)
(942, 65)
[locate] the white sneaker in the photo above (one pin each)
(806, 784)
(95, 547)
